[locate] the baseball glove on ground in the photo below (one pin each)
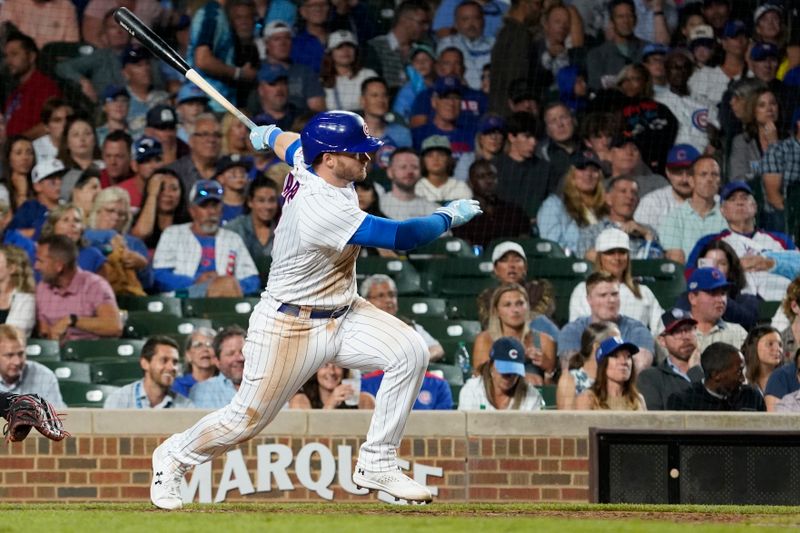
(30, 411)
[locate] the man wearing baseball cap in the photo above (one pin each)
(708, 297)
(692, 114)
(190, 102)
(702, 44)
(162, 125)
(768, 21)
(708, 84)
(448, 92)
(723, 386)
(739, 208)
(232, 173)
(653, 56)
(147, 157)
(274, 106)
(200, 258)
(31, 215)
(506, 369)
(675, 373)
(655, 205)
(438, 185)
(137, 72)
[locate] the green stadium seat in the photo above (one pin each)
(463, 276)
(77, 394)
(108, 349)
(450, 333)
(222, 320)
(70, 370)
(403, 273)
(463, 307)
(151, 304)
(43, 349)
(443, 247)
(663, 277)
(564, 274)
(452, 374)
(141, 325)
(115, 372)
(548, 393)
(414, 307)
(206, 307)
(534, 248)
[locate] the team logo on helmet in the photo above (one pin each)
(366, 130)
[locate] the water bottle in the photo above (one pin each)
(354, 380)
(463, 361)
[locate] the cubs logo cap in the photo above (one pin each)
(707, 279)
(682, 156)
(762, 51)
(612, 345)
(508, 355)
(675, 318)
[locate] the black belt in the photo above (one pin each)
(296, 310)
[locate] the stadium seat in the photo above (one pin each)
(70, 370)
(452, 374)
(548, 393)
(141, 325)
(77, 394)
(103, 349)
(443, 247)
(206, 307)
(462, 276)
(534, 248)
(222, 320)
(414, 307)
(450, 333)
(115, 372)
(403, 273)
(564, 274)
(43, 349)
(664, 277)
(463, 307)
(152, 304)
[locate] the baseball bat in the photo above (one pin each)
(133, 25)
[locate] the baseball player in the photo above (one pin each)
(311, 314)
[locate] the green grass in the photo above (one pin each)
(380, 518)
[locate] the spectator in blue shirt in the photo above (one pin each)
(232, 175)
(31, 215)
(218, 391)
(308, 44)
(434, 395)
(446, 103)
(14, 237)
(198, 353)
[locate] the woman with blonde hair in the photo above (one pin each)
(509, 316)
(581, 203)
(581, 368)
(614, 388)
(235, 137)
(637, 301)
(17, 290)
(67, 220)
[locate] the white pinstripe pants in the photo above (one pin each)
(282, 352)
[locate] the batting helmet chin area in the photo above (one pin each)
(336, 131)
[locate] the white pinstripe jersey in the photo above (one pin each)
(312, 264)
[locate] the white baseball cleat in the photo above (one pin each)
(165, 489)
(394, 483)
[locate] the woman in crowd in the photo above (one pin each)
(164, 205)
(509, 316)
(256, 226)
(499, 383)
(581, 203)
(325, 390)
(437, 184)
(235, 137)
(78, 151)
(85, 191)
(109, 223)
(637, 301)
(67, 220)
(742, 306)
(763, 353)
(18, 162)
(582, 366)
(341, 72)
(614, 388)
(760, 121)
(17, 290)
(489, 141)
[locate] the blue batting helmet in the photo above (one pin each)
(336, 131)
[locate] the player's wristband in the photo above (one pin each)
(272, 138)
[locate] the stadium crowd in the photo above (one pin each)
(617, 132)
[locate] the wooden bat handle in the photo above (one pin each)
(195, 77)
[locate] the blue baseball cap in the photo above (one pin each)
(233, 160)
(448, 85)
(111, 92)
(491, 122)
(271, 73)
(707, 279)
(734, 28)
(653, 49)
(612, 345)
(162, 117)
(134, 53)
(508, 355)
(189, 92)
(147, 148)
(204, 191)
(762, 51)
(682, 155)
(734, 186)
(583, 158)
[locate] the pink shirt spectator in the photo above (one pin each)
(44, 21)
(146, 10)
(84, 294)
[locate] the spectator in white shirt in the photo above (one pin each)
(437, 183)
(655, 205)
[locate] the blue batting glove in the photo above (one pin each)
(259, 137)
(461, 211)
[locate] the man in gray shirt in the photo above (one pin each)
(401, 203)
(20, 376)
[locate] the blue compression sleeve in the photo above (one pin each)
(290, 151)
(380, 232)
